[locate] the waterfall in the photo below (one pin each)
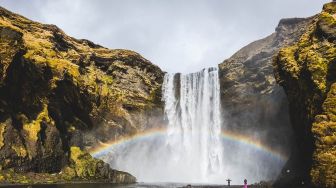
(192, 109)
(190, 147)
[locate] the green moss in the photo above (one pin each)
(306, 39)
(324, 174)
(41, 51)
(84, 164)
(330, 140)
(20, 150)
(106, 79)
(68, 173)
(2, 131)
(102, 86)
(330, 8)
(4, 22)
(306, 69)
(328, 19)
(97, 81)
(313, 54)
(286, 55)
(329, 105)
(71, 128)
(318, 66)
(33, 128)
(23, 180)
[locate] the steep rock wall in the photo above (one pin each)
(307, 72)
(253, 103)
(58, 93)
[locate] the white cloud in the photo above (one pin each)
(177, 35)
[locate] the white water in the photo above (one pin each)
(194, 124)
(191, 150)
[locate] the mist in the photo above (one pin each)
(201, 142)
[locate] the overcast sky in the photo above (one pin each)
(178, 35)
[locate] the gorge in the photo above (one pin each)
(266, 114)
(196, 146)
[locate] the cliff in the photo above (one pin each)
(60, 95)
(253, 103)
(307, 72)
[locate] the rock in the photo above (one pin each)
(58, 92)
(307, 72)
(253, 103)
(84, 166)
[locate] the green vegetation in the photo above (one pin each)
(33, 128)
(291, 65)
(65, 88)
(306, 70)
(2, 131)
(20, 151)
(84, 164)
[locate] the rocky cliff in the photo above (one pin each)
(60, 95)
(307, 72)
(252, 101)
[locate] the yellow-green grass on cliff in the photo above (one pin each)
(84, 164)
(2, 132)
(39, 47)
(70, 87)
(310, 65)
(33, 128)
(287, 55)
(310, 53)
(20, 150)
(41, 50)
(325, 131)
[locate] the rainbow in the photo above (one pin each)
(103, 148)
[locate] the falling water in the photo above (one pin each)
(191, 148)
(192, 108)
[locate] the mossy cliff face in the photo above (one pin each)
(252, 101)
(307, 72)
(60, 95)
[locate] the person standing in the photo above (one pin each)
(229, 181)
(245, 183)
